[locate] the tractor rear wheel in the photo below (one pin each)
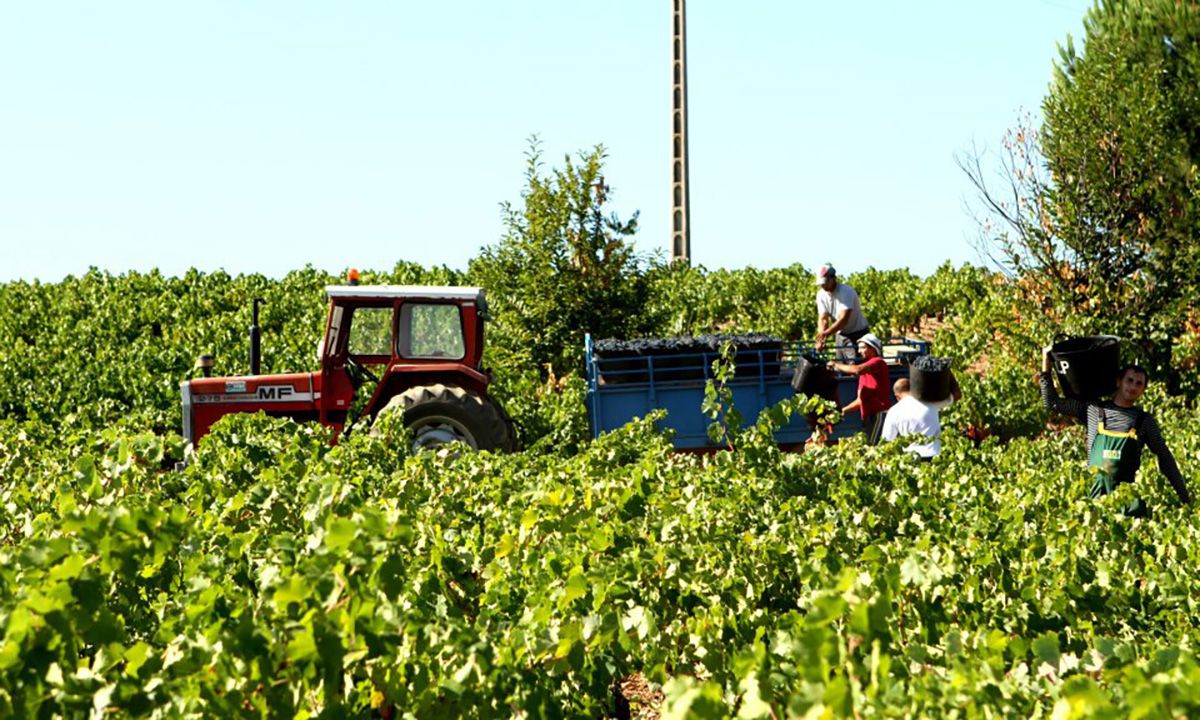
(440, 414)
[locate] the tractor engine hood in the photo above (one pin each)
(206, 400)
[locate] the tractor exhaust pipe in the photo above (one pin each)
(204, 364)
(255, 338)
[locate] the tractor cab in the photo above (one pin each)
(419, 347)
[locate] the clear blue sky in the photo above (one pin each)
(261, 136)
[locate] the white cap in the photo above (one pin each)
(872, 340)
(825, 272)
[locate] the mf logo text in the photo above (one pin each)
(274, 392)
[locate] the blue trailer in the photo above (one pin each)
(622, 388)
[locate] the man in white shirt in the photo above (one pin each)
(839, 314)
(910, 416)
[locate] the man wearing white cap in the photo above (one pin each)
(874, 395)
(839, 313)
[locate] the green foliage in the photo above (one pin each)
(998, 344)
(280, 576)
(1122, 141)
(1101, 209)
(782, 301)
(551, 413)
(899, 300)
(564, 268)
(1004, 401)
(718, 399)
(696, 301)
(103, 347)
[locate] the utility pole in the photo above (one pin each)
(681, 236)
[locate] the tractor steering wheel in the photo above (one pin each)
(358, 372)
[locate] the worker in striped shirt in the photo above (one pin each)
(1117, 431)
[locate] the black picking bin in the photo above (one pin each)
(1087, 366)
(812, 376)
(928, 385)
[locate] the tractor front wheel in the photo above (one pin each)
(441, 414)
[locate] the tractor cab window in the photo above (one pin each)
(371, 331)
(329, 343)
(431, 330)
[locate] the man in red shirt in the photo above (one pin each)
(874, 386)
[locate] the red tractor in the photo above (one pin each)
(428, 342)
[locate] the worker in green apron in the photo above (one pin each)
(1116, 457)
(1117, 432)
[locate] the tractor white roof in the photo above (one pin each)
(432, 292)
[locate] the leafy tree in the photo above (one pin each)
(563, 268)
(1101, 209)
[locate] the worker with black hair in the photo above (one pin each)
(1117, 431)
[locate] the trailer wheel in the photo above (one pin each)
(440, 414)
